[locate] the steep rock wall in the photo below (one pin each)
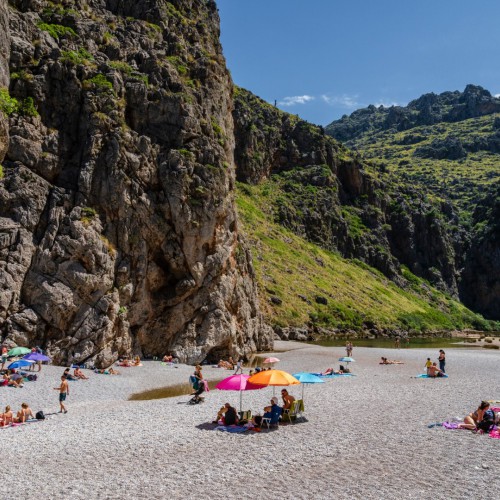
(328, 197)
(117, 225)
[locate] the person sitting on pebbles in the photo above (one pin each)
(79, 374)
(7, 417)
(473, 419)
(434, 371)
(24, 413)
(227, 414)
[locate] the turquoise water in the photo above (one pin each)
(430, 342)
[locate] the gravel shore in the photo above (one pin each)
(365, 436)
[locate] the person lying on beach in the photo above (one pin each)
(136, 361)
(386, 361)
(79, 374)
(225, 364)
(168, 358)
(7, 417)
(434, 371)
(472, 420)
(24, 413)
(331, 371)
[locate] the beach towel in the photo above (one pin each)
(495, 433)
(333, 375)
(424, 375)
(231, 428)
(450, 425)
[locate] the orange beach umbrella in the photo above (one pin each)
(273, 377)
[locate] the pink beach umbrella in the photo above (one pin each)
(237, 383)
(270, 361)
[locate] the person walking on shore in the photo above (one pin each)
(239, 366)
(63, 392)
(442, 360)
(348, 348)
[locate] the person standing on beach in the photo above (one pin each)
(239, 367)
(348, 348)
(442, 360)
(63, 392)
(397, 342)
(4, 357)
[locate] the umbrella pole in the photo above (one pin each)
(241, 396)
(302, 391)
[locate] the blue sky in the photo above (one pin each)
(321, 59)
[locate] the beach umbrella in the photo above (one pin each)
(273, 378)
(20, 363)
(270, 361)
(36, 356)
(18, 351)
(347, 359)
(307, 378)
(237, 383)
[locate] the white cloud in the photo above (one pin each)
(497, 95)
(344, 101)
(297, 99)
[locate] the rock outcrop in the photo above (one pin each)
(328, 197)
(118, 232)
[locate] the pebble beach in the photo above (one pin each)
(362, 437)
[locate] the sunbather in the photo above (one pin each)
(434, 371)
(7, 417)
(331, 371)
(385, 361)
(473, 419)
(24, 413)
(287, 399)
(227, 414)
(79, 374)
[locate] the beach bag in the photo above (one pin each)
(40, 415)
(488, 421)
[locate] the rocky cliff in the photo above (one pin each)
(326, 194)
(118, 232)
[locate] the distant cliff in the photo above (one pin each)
(447, 147)
(118, 232)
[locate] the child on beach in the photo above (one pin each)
(63, 392)
(428, 364)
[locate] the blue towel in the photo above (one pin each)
(424, 375)
(231, 428)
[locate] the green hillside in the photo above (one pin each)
(296, 276)
(449, 161)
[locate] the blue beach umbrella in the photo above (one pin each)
(347, 359)
(21, 363)
(307, 378)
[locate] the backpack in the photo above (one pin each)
(488, 421)
(39, 415)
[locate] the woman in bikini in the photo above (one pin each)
(7, 417)
(472, 419)
(24, 413)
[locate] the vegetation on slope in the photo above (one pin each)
(295, 277)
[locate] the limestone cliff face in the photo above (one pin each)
(117, 226)
(329, 198)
